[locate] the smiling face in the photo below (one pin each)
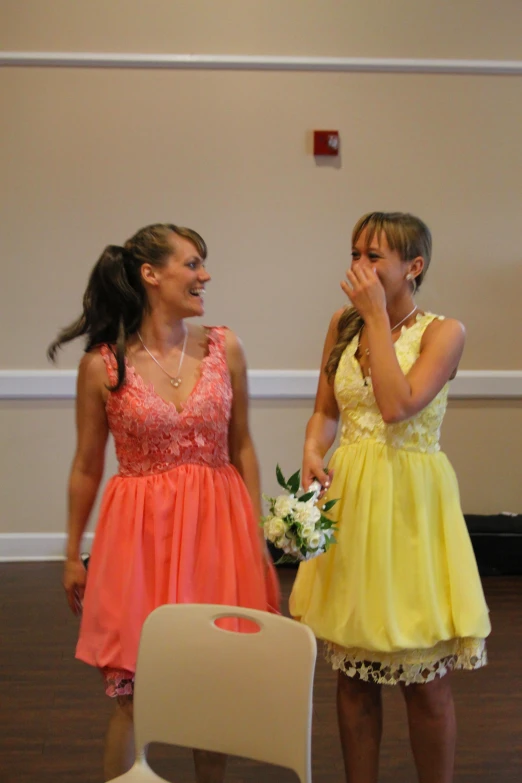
(396, 244)
(179, 284)
(374, 251)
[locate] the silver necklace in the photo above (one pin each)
(392, 329)
(174, 380)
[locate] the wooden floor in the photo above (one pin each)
(53, 711)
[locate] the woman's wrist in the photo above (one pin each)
(312, 447)
(72, 552)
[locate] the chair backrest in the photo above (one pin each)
(244, 694)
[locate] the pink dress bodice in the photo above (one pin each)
(151, 436)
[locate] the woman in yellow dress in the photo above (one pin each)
(398, 599)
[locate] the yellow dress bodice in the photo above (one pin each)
(360, 415)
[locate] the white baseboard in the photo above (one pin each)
(264, 384)
(23, 547)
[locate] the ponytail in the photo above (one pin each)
(112, 309)
(115, 298)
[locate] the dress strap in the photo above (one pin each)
(110, 363)
(425, 320)
(217, 338)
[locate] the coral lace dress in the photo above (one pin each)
(176, 523)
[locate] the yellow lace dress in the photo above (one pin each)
(398, 598)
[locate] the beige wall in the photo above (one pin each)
(351, 28)
(90, 155)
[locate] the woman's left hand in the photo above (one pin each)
(364, 290)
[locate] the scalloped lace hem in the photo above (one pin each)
(408, 666)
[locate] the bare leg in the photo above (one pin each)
(359, 712)
(210, 767)
(119, 743)
(431, 718)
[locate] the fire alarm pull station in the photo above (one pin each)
(326, 142)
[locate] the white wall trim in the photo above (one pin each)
(22, 547)
(264, 384)
(233, 62)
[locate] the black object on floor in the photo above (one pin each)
(497, 542)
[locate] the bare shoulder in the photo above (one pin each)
(333, 328)
(336, 317)
(92, 372)
(235, 351)
(447, 330)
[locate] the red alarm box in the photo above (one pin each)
(326, 142)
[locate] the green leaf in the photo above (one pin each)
(280, 478)
(293, 482)
(307, 496)
(286, 559)
(326, 524)
(329, 505)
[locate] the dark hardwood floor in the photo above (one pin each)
(53, 711)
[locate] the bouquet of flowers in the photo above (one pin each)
(297, 524)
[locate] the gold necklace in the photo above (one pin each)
(175, 380)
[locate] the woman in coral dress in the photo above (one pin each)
(398, 599)
(179, 523)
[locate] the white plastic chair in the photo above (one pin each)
(243, 694)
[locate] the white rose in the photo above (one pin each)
(306, 513)
(274, 528)
(291, 548)
(301, 512)
(284, 505)
(314, 515)
(282, 542)
(316, 540)
(307, 530)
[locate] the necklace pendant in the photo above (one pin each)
(175, 382)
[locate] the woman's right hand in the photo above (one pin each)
(74, 580)
(313, 470)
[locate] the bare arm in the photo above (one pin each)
(241, 447)
(401, 396)
(322, 426)
(87, 467)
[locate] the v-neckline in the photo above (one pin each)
(169, 403)
(367, 379)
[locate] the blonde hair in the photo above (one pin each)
(405, 234)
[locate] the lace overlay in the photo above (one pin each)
(361, 418)
(118, 682)
(408, 666)
(151, 436)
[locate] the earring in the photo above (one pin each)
(411, 279)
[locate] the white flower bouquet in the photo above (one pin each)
(297, 524)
